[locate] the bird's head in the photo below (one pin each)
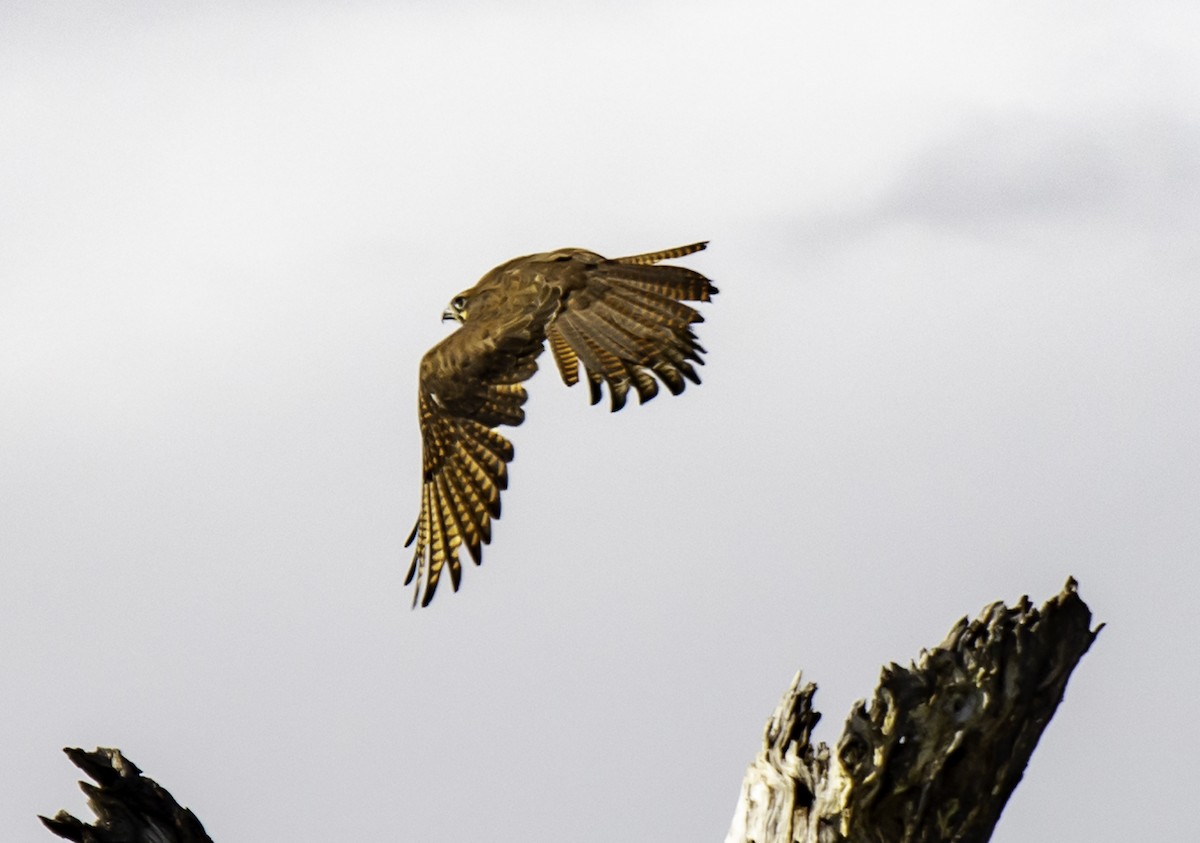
(457, 309)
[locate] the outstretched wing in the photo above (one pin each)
(624, 320)
(470, 383)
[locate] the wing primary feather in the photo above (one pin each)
(659, 308)
(647, 386)
(437, 556)
(469, 504)
(564, 356)
(469, 509)
(453, 529)
(417, 570)
(611, 368)
(594, 381)
(591, 364)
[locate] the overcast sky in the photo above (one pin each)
(954, 360)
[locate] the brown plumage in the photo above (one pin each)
(621, 319)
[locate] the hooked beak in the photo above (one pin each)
(449, 315)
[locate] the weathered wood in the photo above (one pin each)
(939, 750)
(129, 807)
(933, 758)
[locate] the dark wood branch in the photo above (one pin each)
(940, 748)
(129, 807)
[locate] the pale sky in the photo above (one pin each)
(954, 360)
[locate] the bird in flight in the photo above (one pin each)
(622, 319)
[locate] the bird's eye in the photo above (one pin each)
(459, 303)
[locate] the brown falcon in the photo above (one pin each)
(621, 318)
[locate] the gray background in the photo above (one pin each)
(953, 361)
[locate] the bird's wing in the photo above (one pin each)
(624, 320)
(470, 383)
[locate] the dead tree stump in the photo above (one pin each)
(940, 748)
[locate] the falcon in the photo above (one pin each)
(622, 320)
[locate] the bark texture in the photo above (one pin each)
(937, 753)
(129, 807)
